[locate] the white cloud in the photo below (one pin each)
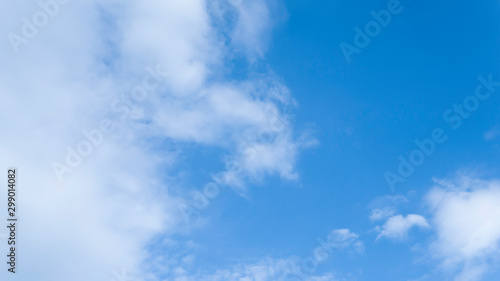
(398, 227)
(64, 80)
(466, 212)
(380, 214)
(344, 238)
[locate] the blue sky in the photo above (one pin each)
(235, 140)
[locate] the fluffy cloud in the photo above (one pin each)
(84, 65)
(398, 227)
(466, 212)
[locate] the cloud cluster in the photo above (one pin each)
(466, 212)
(80, 68)
(462, 237)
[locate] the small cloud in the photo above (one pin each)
(344, 238)
(385, 206)
(380, 214)
(398, 227)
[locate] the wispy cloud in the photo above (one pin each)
(265, 270)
